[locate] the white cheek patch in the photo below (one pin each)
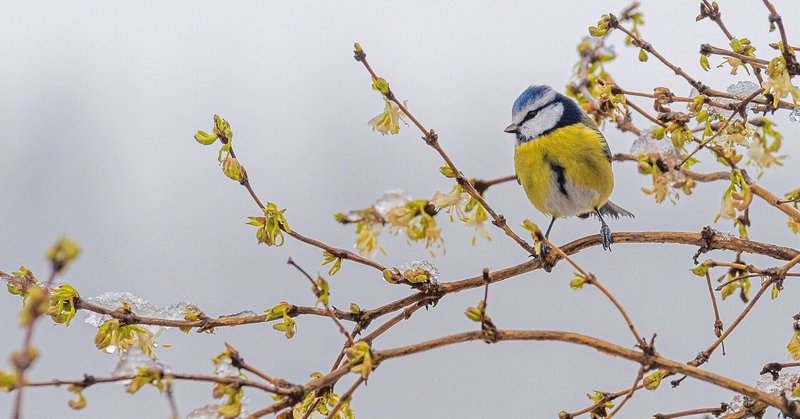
(542, 100)
(546, 119)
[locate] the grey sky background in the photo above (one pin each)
(99, 102)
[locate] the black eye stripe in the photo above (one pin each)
(530, 115)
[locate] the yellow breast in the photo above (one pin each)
(566, 172)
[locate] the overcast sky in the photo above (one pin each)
(99, 101)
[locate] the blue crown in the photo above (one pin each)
(529, 95)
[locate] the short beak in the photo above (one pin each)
(511, 128)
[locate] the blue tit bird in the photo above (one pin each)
(562, 160)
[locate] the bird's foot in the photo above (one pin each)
(605, 235)
(543, 249)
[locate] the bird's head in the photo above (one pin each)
(539, 110)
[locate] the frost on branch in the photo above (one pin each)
(113, 335)
(419, 270)
(657, 157)
(646, 144)
(783, 386)
(246, 313)
(139, 306)
(211, 411)
(223, 368)
(132, 360)
(390, 199)
(741, 89)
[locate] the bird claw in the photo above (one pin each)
(543, 249)
(605, 235)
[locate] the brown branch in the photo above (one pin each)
(88, 381)
(406, 314)
(482, 185)
(773, 200)
(639, 42)
(23, 359)
(607, 397)
(700, 177)
(275, 407)
(716, 411)
(701, 88)
(644, 113)
(757, 190)
(592, 280)
(703, 357)
(713, 13)
(340, 253)
(710, 49)
(432, 139)
(629, 394)
(707, 240)
(740, 108)
(791, 60)
(206, 324)
(654, 361)
(718, 327)
(673, 98)
(738, 278)
(318, 293)
(781, 273)
(170, 395)
(345, 398)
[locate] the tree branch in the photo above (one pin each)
(653, 361)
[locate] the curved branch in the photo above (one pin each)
(648, 361)
(89, 381)
(222, 321)
(706, 240)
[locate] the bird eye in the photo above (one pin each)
(530, 115)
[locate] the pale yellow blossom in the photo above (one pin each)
(761, 157)
(477, 219)
(367, 239)
(728, 208)
(456, 199)
(388, 122)
(779, 82)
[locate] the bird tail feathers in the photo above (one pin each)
(612, 210)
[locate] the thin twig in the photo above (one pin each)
(654, 361)
(715, 15)
(740, 109)
(89, 380)
(716, 411)
(791, 60)
(706, 241)
(591, 279)
(706, 354)
(340, 253)
(25, 357)
(482, 185)
(753, 61)
(169, 394)
(432, 139)
(628, 395)
(737, 279)
(318, 292)
(345, 398)
(717, 322)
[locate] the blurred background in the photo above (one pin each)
(99, 101)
